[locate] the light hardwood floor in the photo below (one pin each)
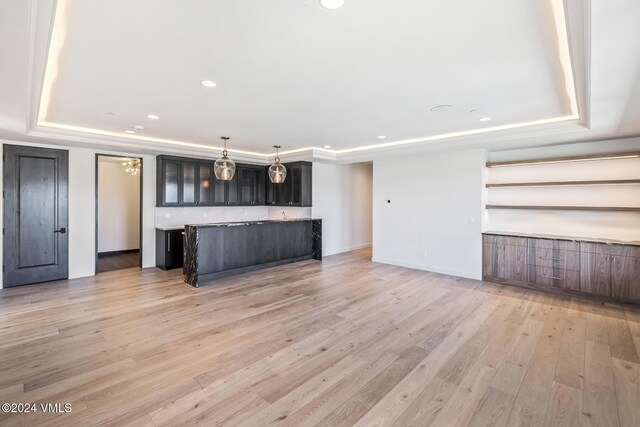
(338, 343)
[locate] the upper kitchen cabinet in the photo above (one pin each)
(296, 188)
(251, 184)
(184, 182)
(191, 182)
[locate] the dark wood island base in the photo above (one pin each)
(213, 251)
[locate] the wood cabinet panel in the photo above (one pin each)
(516, 262)
(605, 270)
(505, 259)
(595, 269)
(625, 277)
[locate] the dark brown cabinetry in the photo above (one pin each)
(169, 248)
(296, 188)
(191, 182)
(588, 268)
(251, 185)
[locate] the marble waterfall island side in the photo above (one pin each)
(218, 250)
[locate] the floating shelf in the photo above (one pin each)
(564, 183)
(567, 208)
(610, 156)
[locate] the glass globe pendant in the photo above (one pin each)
(224, 168)
(277, 171)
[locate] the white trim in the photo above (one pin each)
(449, 272)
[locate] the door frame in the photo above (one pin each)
(98, 155)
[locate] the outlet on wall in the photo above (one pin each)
(167, 216)
(472, 220)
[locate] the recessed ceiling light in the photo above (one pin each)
(153, 116)
(327, 146)
(208, 83)
(381, 137)
(129, 131)
(138, 127)
(485, 119)
(332, 4)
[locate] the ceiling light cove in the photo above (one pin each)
(208, 83)
(381, 137)
(153, 116)
(485, 119)
(332, 4)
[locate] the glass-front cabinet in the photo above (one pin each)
(191, 182)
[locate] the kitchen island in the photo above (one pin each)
(213, 251)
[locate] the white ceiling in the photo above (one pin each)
(293, 73)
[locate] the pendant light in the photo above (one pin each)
(132, 166)
(224, 168)
(277, 171)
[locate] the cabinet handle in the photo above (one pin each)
(168, 243)
(551, 259)
(552, 277)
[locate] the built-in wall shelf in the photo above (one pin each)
(567, 208)
(564, 183)
(590, 157)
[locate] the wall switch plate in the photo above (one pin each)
(424, 254)
(167, 216)
(205, 214)
(472, 220)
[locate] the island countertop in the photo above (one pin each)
(237, 223)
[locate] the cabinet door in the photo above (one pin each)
(295, 175)
(245, 186)
(170, 182)
(219, 191)
(232, 191)
(493, 257)
(188, 179)
(595, 269)
(174, 250)
(625, 277)
(205, 187)
(515, 258)
(259, 178)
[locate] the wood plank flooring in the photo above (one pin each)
(338, 343)
(118, 261)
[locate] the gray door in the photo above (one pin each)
(35, 247)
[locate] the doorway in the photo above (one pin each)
(36, 194)
(118, 212)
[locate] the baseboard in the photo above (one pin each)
(126, 251)
(349, 249)
(449, 272)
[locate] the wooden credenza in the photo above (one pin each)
(571, 266)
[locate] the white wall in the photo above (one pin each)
(118, 206)
(342, 198)
(82, 208)
(610, 225)
(434, 219)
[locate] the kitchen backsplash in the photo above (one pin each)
(170, 217)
